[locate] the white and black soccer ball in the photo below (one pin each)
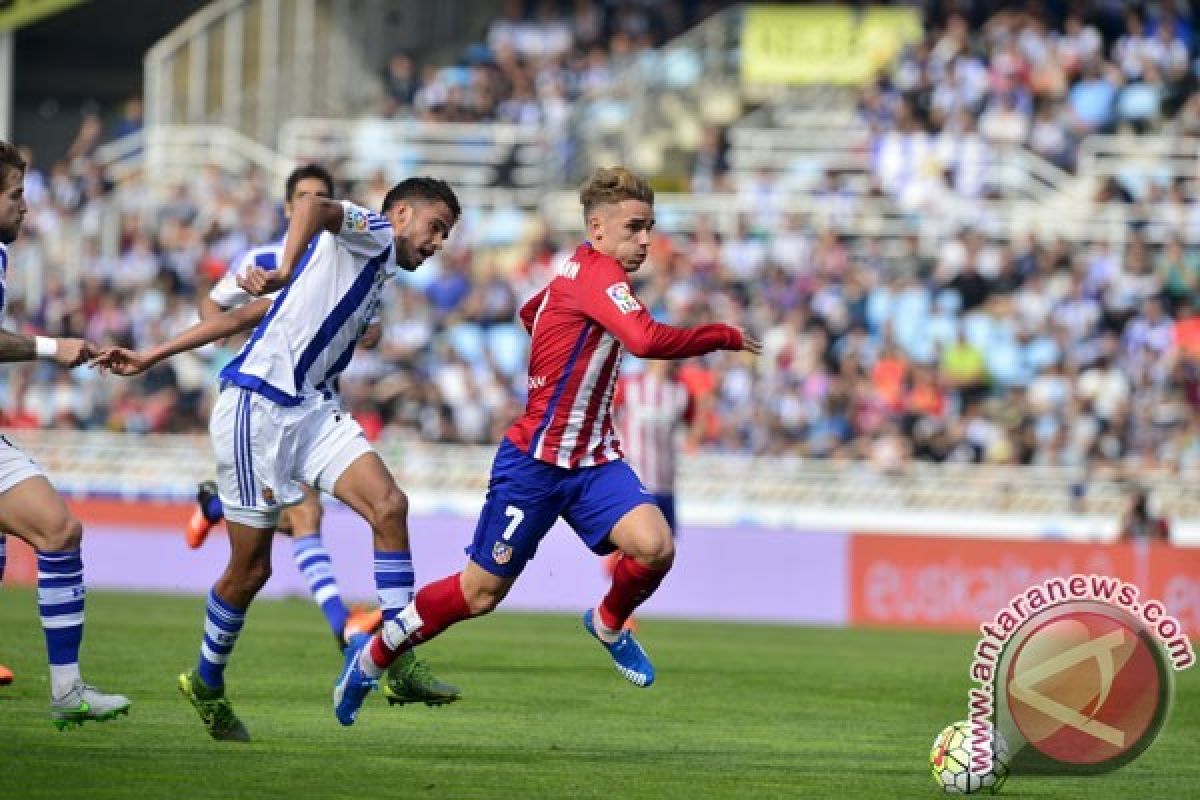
(950, 762)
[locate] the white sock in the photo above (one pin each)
(63, 678)
(395, 632)
(605, 633)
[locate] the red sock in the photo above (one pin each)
(439, 604)
(632, 584)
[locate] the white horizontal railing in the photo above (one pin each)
(1007, 220)
(471, 157)
(178, 152)
(1164, 156)
(133, 466)
(122, 157)
(845, 145)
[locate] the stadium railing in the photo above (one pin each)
(251, 64)
(879, 218)
(492, 164)
(1139, 159)
(136, 466)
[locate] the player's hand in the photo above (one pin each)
(122, 361)
(370, 336)
(73, 352)
(749, 343)
(258, 281)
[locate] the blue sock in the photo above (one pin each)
(213, 510)
(312, 559)
(3, 554)
(222, 624)
(394, 582)
(60, 604)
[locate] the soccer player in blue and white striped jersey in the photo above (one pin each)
(277, 423)
(303, 520)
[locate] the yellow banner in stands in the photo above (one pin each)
(16, 14)
(822, 44)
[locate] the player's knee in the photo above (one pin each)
(305, 519)
(662, 557)
(253, 575)
(64, 535)
(391, 510)
(657, 551)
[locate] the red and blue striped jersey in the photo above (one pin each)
(581, 324)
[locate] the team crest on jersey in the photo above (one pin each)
(269, 495)
(623, 299)
(356, 220)
(501, 553)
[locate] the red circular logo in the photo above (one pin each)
(1085, 688)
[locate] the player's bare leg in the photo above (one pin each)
(247, 572)
(33, 511)
(647, 552)
(367, 486)
(303, 523)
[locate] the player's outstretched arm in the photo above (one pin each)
(310, 216)
(610, 301)
(65, 352)
(127, 362)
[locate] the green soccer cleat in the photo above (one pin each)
(216, 712)
(83, 703)
(411, 681)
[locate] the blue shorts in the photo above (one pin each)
(666, 504)
(526, 496)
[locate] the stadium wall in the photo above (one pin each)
(739, 571)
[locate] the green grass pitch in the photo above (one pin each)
(749, 711)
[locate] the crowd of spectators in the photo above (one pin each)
(537, 59)
(1025, 76)
(982, 350)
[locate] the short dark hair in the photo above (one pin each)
(425, 189)
(307, 171)
(10, 158)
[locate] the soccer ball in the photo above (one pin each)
(950, 760)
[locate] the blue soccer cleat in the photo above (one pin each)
(628, 656)
(352, 686)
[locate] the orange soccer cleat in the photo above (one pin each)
(199, 525)
(362, 620)
(6, 675)
(198, 528)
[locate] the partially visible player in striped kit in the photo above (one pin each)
(562, 457)
(34, 512)
(653, 409)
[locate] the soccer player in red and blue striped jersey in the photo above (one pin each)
(563, 458)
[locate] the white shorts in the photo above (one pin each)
(15, 466)
(264, 451)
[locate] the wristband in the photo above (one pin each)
(45, 346)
